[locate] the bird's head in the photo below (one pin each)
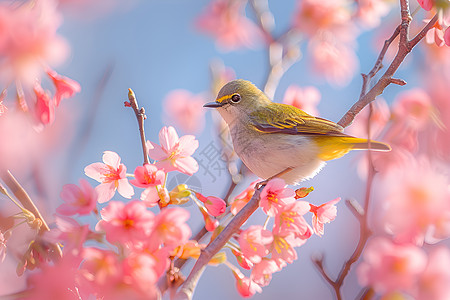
(237, 99)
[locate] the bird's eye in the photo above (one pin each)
(236, 98)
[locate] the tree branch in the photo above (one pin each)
(404, 48)
(140, 116)
(189, 285)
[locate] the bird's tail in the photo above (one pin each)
(332, 147)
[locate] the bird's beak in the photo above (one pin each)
(213, 104)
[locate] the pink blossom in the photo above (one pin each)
(65, 87)
(211, 223)
(45, 105)
(148, 175)
(243, 198)
(155, 195)
(426, 4)
(306, 98)
(78, 200)
(390, 267)
(174, 153)
(171, 228)
(140, 273)
(129, 222)
(100, 270)
(370, 12)
(290, 220)
(29, 40)
(225, 21)
(275, 196)
(112, 176)
(71, 233)
(315, 18)
(254, 241)
(58, 281)
(334, 60)
(413, 109)
(185, 110)
(242, 260)
(262, 271)
(214, 205)
(244, 285)
(324, 213)
(2, 247)
(433, 282)
(416, 199)
(282, 247)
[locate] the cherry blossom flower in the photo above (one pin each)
(174, 153)
(426, 4)
(171, 228)
(148, 175)
(433, 282)
(306, 98)
(71, 233)
(124, 223)
(242, 260)
(324, 213)
(282, 247)
(313, 17)
(370, 12)
(262, 271)
(58, 281)
(244, 285)
(65, 87)
(225, 21)
(112, 176)
(210, 223)
(140, 273)
(254, 241)
(45, 105)
(414, 109)
(243, 198)
(415, 199)
(100, 270)
(2, 247)
(185, 110)
(155, 195)
(390, 267)
(290, 220)
(80, 200)
(334, 60)
(214, 205)
(274, 196)
(29, 40)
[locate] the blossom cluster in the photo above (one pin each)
(264, 251)
(29, 46)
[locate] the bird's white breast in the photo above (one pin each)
(268, 154)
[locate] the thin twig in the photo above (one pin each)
(188, 287)
(140, 116)
(23, 197)
(404, 48)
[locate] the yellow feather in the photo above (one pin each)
(332, 147)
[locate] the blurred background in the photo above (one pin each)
(158, 47)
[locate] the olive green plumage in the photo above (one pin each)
(272, 137)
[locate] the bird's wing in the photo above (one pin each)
(283, 118)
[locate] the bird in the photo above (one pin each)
(280, 140)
